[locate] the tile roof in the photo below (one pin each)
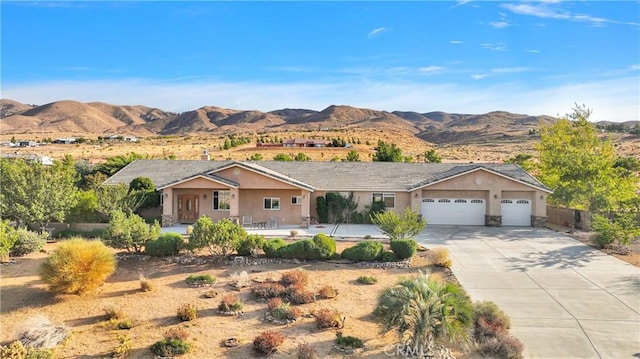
(333, 176)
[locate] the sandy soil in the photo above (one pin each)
(23, 295)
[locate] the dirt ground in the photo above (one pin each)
(23, 295)
(586, 237)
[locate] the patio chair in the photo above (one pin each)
(273, 223)
(247, 221)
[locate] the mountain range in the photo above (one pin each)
(98, 118)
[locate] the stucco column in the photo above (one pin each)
(416, 200)
(305, 209)
(493, 218)
(234, 211)
(167, 207)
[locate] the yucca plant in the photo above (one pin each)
(423, 311)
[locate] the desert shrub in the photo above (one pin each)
(364, 251)
(16, 350)
(130, 232)
(294, 278)
(396, 226)
(41, 333)
(271, 247)
(388, 256)
(125, 324)
(187, 312)
(285, 311)
(503, 346)
(241, 280)
(251, 245)
(293, 233)
(307, 351)
(268, 342)
(273, 303)
(489, 321)
(176, 333)
(367, 279)
(92, 234)
(303, 249)
(299, 295)
(210, 294)
(146, 285)
(123, 348)
(440, 257)
(328, 292)
(168, 244)
(114, 313)
(230, 303)
(404, 248)
(325, 242)
(78, 266)
(267, 290)
(619, 229)
(348, 341)
(27, 242)
(328, 318)
(170, 348)
(201, 279)
(220, 238)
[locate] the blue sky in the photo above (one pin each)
(535, 58)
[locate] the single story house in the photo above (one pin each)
(286, 193)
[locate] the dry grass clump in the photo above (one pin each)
(300, 295)
(123, 348)
(267, 290)
(230, 303)
(268, 342)
(180, 333)
(307, 351)
(78, 266)
(327, 292)
(114, 313)
(440, 257)
(294, 278)
(39, 333)
(241, 280)
(146, 285)
(328, 318)
(16, 350)
(187, 312)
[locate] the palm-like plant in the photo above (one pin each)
(423, 311)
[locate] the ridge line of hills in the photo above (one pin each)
(99, 118)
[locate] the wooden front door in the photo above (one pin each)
(187, 208)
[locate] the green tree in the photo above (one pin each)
(580, 167)
(387, 152)
(130, 232)
(255, 157)
(282, 157)
(431, 156)
(523, 160)
(8, 237)
(301, 157)
(397, 226)
(116, 163)
(353, 156)
(35, 193)
(422, 311)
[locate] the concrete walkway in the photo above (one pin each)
(565, 299)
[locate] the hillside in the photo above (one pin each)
(98, 118)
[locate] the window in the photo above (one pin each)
(522, 201)
(221, 200)
(506, 201)
(389, 199)
(444, 200)
(162, 194)
(477, 201)
(272, 203)
(296, 199)
(460, 201)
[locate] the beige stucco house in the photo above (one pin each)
(272, 193)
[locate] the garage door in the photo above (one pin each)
(455, 211)
(516, 212)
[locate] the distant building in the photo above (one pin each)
(27, 144)
(44, 160)
(65, 141)
(303, 142)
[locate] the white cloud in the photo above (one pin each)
(552, 10)
(430, 69)
(502, 24)
(611, 99)
(377, 31)
(479, 76)
(456, 42)
(494, 46)
(533, 51)
(510, 70)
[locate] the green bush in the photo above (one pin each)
(168, 348)
(348, 341)
(303, 249)
(271, 247)
(17, 350)
(94, 233)
(325, 242)
(201, 279)
(78, 266)
(220, 238)
(404, 248)
(27, 242)
(251, 245)
(364, 251)
(389, 256)
(8, 238)
(187, 312)
(129, 232)
(168, 244)
(367, 279)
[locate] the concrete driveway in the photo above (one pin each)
(565, 299)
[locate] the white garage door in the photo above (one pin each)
(516, 212)
(455, 211)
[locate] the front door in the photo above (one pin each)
(187, 208)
